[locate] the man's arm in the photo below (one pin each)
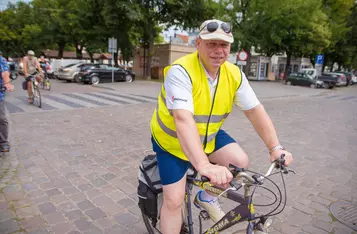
(263, 125)
(39, 68)
(25, 67)
(190, 139)
(255, 112)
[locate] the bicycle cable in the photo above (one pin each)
(279, 190)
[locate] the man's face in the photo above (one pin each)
(213, 53)
(30, 56)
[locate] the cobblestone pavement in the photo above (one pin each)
(74, 171)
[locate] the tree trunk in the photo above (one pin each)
(116, 58)
(324, 64)
(79, 51)
(331, 68)
(287, 65)
(61, 46)
(91, 57)
(339, 66)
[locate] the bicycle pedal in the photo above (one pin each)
(204, 214)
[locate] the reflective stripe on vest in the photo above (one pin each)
(202, 118)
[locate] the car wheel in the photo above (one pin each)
(76, 79)
(95, 80)
(68, 81)
(128, 78)
(313, 86)
(288, 82)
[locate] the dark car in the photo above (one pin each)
(349, 76)
(302, 79)
(97, 73)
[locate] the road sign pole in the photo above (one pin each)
(113, 67)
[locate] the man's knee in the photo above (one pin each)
(174, 195)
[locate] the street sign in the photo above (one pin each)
(112, 45)
(242, 63)
(319, 59)
(242, 55)
(112, 48)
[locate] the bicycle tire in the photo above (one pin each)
(37, 97)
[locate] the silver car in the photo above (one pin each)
(68, 72)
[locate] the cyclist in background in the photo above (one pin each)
(31, 66)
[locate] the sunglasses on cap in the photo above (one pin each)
(213, 26)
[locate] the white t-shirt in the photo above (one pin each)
(178, 89)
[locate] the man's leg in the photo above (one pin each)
(173, 178)
(227, 151)
(29, 89)
(4, 128)
(171, 216)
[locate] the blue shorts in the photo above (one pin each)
(172, 168)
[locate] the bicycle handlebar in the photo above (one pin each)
(240, 172)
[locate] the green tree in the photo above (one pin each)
(338, 12)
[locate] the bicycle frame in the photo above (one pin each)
(243, 212)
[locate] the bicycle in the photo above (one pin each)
(46, 84)
(36, 95)
(243, 212)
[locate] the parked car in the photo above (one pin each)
(306, 79)
(68, 72)
(350, 77)
(341, 78)
(97, 73)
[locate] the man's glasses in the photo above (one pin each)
(213, 26)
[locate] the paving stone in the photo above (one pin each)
(39, 231)
(105, 222)
(62, 228)
(126, 219)
(53, 192)
(93, 193)
(67, 206)
(109, 176)
(29, 187)
(9, 226)
(59, 199)
(95, 213)
(6, 214)
(117, 195)
(3, 206)
(32, 223)
(85, 205)
(83, 224)
(127, 203)
(103, 201)
(27, 212)
(47, 208)
(78, 197)
(55, 218)
(74, 214)
(70, 190)
(85, 187)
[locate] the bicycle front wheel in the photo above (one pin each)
(37, 97)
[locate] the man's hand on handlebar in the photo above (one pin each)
(276, 155)
(218, 175)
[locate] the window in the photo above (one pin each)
(253, 69)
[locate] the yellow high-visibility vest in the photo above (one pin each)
(206, 116)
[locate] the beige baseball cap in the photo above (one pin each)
(216, 30)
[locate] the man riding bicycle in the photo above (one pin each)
(30, 67)
(197, 96)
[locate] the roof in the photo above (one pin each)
(184, 38)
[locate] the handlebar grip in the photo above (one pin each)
(205, 179)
